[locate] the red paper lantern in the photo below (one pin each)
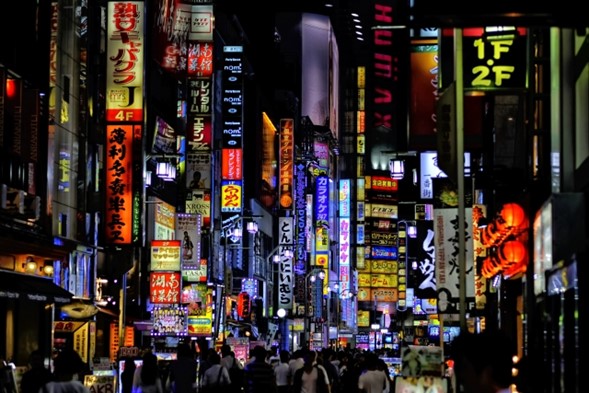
(513, 214)
(512, 252)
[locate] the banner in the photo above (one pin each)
(447, 251)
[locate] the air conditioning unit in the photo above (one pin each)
(12, 199)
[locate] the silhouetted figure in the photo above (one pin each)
(37, 375)
(259, 375)
(182, 378)
(147, 376)
(127, 375)
(67, 366)
(483, 362)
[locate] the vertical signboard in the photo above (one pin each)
(321, 213)
(386, 103)
(119, 176)
(124, 68)
(424, 93)
(286, 163)
(232, 130)
(285, 274)
(447, 269)
(188, 227)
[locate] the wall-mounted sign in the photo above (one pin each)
(164, 287)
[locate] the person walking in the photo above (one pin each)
(312, 377)
(127, 375)
(216, 377)
(182, 375)
(259, 374)
(282, 373)
(67, 368)
(147, 376)
(37, 375)
(234, 368)
(483, 362)
(372, 380)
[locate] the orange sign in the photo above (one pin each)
(286, 162)
(119, 184)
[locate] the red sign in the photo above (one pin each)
(243, 305)
(381, 183)
(232, 164)
(164, 288)
(200, 59)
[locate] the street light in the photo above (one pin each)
(341, 294)
(312, 276)
(226, 233)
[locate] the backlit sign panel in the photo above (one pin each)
(119, 180)
(124, 68)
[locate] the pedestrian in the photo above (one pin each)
(328, 356)
(67, 368)
(216, 377)
(234, 368)
(296, 361)
(182, 375)
(127, 375)
(37, 375)
(483, 362)
(282, 373)
(147, 377)
(259, 374)
(372, 380)
(312, 377)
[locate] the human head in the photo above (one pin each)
(259, 352)
(225, 350)
(66, 364)
(183, 350)
(130, 364)
(483, 362)
(37, 359)
(214, 358)
(284, 356)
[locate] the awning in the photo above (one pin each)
(24, 286)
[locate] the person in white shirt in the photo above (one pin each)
(372, 380)
(282, 373)
(296, 361)
(216, 376)
(312, 377)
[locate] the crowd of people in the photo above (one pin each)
(483, 364)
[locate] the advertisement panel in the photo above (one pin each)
(446, 245)
(285, 272)
(231, 196)
(188, 230)
(124, 68)
(424, 94)
(165, 255)
(286, 163)
(164, 287)
(119, 184)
